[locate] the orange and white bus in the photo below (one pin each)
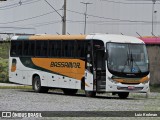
(95, 63)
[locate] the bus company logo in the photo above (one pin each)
(21, 115)
(6, 115)
(65, 64)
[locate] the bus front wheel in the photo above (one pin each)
(123, 95)
(36, 85)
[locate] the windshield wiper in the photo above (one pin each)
(127, 62)
(130, 61)
(133, 61)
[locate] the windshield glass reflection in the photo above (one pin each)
(127, 58)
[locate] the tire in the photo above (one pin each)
(36, 85)
(90, 93)
(123, 95)
(69, 91)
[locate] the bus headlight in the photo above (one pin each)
(145, 82)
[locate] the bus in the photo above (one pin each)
(95, 63)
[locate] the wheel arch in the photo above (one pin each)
(33, 76)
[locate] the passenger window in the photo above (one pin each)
(16, 48)
(80, 49)
(41, 48)
(29, 48)
(55, 48)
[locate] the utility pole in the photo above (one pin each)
(154, 1)
(85, 14)
(64, 18)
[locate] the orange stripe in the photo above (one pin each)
(132, 80)
(57, 37)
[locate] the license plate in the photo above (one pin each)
(131, 87)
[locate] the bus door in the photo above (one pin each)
(89, 64)
(99, 65)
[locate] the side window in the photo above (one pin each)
(32, 48)
(71, 48)
(55, 48)
(41, 48)
(29, 48)
(80, 49)
(65, 49)
(58, 48)
(68, 48)
(52, 48)
(25, 48)
(84, 49)
(16, 48)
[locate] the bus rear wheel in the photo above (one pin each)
(69, 91)
(36, 85)
(123, 95)
(90, 93)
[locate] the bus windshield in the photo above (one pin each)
(127, 58)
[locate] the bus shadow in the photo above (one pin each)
(83, 95)
(96, 97)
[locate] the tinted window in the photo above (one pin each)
(29, 48)
(41, 48)
(16, 48)
(68, 48)
(55, 48)
(71, 48)
(80, 50)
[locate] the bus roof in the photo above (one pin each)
(50, 37)
(104, 37)
(115, 38)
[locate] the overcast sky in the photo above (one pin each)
(104, 16)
